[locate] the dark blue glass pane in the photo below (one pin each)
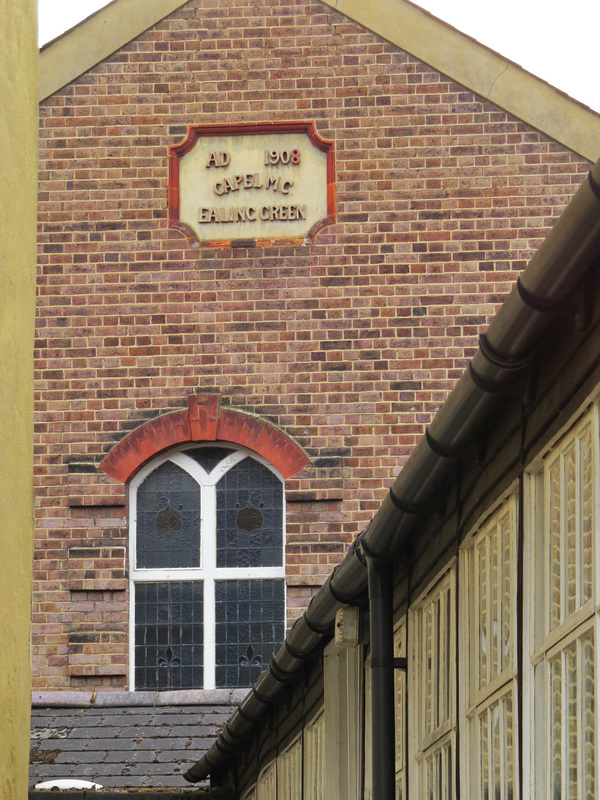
(209, 457)
(168, 519)
(169, 635)
(249, 621)
(249, 517)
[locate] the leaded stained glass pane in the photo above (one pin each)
(168, 519)
(209, 457)
(249, 628)
(169, 635)
(249, 517)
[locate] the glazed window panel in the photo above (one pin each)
(489, 615)
(289, 772)
(564, 599)
(169, 635)
(432, 666)
(314, 759)
(168, 519)
(496, 749)
(492, 591)
(209, 457)
(572, 698)
(249, 510)
(437, 624)
(437, 772)
(249, 628)
(234, 598)
(266, 786)
(569, 526)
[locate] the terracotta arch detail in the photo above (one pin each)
(204, 420)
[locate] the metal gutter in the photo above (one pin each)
(504, 353)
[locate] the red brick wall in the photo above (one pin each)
(349, 345)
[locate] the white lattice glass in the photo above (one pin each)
(289, 772)
(564, 657)
(569, 525)
(433, 668)
(572, 729)
(266, 786)
(437, 771)
(496, 749)
(314, 760)
(492, 590)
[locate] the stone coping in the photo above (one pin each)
(184, 697)
(401, 23)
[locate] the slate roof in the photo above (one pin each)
(125, 739)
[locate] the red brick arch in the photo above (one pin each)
(204, 420)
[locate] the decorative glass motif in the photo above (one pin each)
(168, 519)
(249, 517)
(209, 457)
(169, 635)
(249, 628)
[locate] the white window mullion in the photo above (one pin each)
(489, 613)
(564, 739)
(209, 634)
(580, 720)
(563, 539)
(208, 527)
(208, 538)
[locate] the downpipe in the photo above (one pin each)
(380, 582)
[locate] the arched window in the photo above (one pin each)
(207, 569)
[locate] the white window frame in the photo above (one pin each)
(477, 699)
(207, 572)
(542, 643)
(423, 745)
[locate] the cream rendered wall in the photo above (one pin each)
(18, 169)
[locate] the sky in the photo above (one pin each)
(554, 39)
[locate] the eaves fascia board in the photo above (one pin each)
(96, 38)
(479, 69)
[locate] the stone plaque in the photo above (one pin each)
(251, 185)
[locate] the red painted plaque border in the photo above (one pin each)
(196, 132)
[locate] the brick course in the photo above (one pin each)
(348, 345)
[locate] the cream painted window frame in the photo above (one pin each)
(344, 721)
(266, 785)
(427, 747)
(314, 758)
(542, 643)
(289, 771)
(400, 710)
(477, 698)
